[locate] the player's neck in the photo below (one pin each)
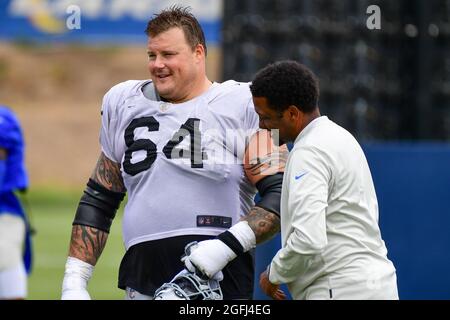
(305, 121)
(195, 90)
(203, 86)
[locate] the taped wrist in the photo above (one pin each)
(98, 206)
(77, 274)
(269, 190)
(240, 238)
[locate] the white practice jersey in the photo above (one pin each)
(181, 163)
(329, 214)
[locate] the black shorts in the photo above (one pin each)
(147, 266)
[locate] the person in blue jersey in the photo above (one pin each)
(15, 242)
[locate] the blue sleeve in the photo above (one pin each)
(14, 174)
(2, 172)
(10, 131)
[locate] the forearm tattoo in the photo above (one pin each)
(107, 173)
(87, 243)
(264, 224)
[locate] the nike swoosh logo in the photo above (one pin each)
(298, 177)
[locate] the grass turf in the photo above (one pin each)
(52, 216)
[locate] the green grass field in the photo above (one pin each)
(52, 214)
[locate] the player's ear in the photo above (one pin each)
(200, 51)
(293, 112)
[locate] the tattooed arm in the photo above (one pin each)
(107, 173)
(87, 242)
(264, 159)
(264, 224)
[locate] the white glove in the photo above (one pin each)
(209, 257)
(76, 278)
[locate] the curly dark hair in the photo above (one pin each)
(287, 83)
(177, 17)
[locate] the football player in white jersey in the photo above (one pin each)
(331, 242)
(189, 154)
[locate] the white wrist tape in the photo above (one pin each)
(244, 234)
(209, 256)
(77, 274)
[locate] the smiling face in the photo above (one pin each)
(177, 70)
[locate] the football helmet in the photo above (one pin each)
(187, 285)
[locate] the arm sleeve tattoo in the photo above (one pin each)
(87, 243)
(264, 224)
(107, 173)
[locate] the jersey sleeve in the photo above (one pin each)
(251, 119)
(10, 133)
(108, 125)
(11, 139)
(110, 110)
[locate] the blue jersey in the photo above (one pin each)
(14, 175)
(11, 139)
